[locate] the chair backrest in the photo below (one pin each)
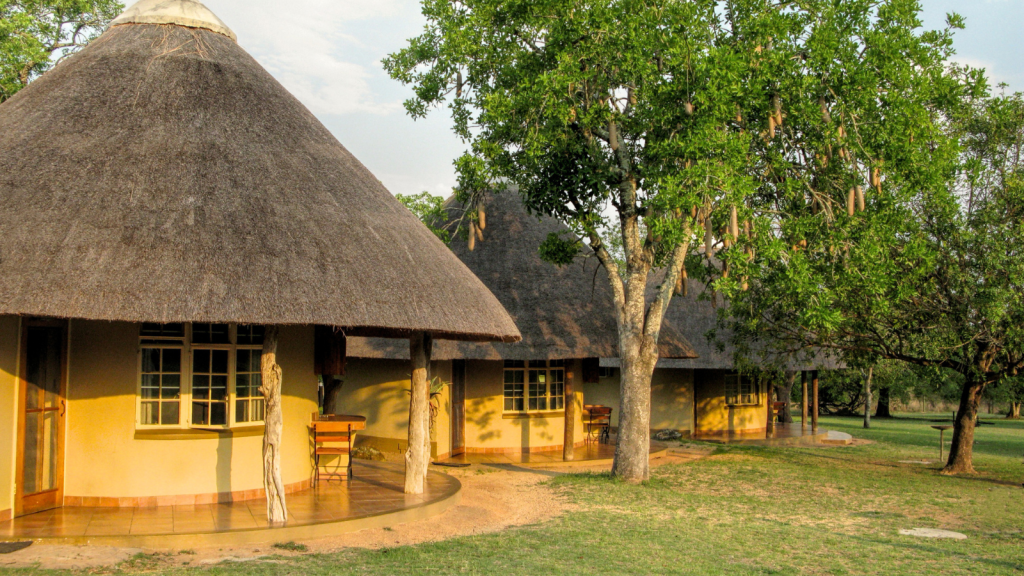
(331, 431)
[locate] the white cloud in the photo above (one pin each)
(313, 47)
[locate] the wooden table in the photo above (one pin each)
(942, 431)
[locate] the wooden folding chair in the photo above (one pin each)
(598, 424)
(333, 435)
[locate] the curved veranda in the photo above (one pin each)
(374, 498)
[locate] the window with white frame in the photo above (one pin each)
(203, 375)
(536, 385)
(741, 390)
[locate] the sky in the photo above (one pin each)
(328, 54)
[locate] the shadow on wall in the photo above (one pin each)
(483, 419)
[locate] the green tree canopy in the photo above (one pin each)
(672, 122)
(36, 34)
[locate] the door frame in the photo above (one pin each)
(458, 427)
(37, 502)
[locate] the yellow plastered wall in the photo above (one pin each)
(671, 398)
(379, 390)
(9, 336)
(488, 428)
(714, 417)
(104, 458)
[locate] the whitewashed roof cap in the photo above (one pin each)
(188, 13)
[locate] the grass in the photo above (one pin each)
(747, 510)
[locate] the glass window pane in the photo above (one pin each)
(150, 393)
(201, 361)
(218, 413)
(242, 361)
(171, 386)
(241, 411)
(220, 361)
(169, 413)
(172, 360)
(242, 386)
(150, 380)
(150, 359)
(200, 413)
(509, 404)
(149, 415)
(200, 387)
(538, 364)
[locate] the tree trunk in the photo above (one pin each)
(417, 456)
(784, 392)
(867, 397)
(569, 438)
(638, 357)
(1014, 413)
(277, 510)
(803, 401)
(961, 448)
(815, 406)
(770, 405)
(884, 409)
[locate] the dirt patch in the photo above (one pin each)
(67, 557)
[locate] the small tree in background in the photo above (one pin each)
(37, 34)
(430, 210)
(659, 120)
(932, 273)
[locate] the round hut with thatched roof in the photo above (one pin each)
(168, 207)
(510, 397)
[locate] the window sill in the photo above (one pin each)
(540, 414)
(197, 433)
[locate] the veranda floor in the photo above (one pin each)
(374, 496)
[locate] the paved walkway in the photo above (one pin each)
(591, 455)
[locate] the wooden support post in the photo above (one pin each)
(270, 387)
(417, 456)
(803, 401)
(815, 409)
(770, 423)
(569, 439)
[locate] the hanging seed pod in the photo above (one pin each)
(479, 233)
(679, 285)
(860, 199)
(725, 270)
(481, 214)
(771, 128)
(747, 229)
(803, 243)
(661, 64)
(688, 108)
(472, 236)
(777, 109)
(726, 238)
(709, 238)
(693, 211)
(613, 135)
(734, 227)
(572, 114)
(851, 199)
(876, 178)
(744, 286)
(688, 163)
(739, 115)
(825, 116)
(632, 97)
(842, 132)
(458, 84)
(686, 282)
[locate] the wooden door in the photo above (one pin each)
(41, 416)
(458, 407)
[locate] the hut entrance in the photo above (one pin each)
(458, 407)
(41, 416)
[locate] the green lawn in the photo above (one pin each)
(752, 511)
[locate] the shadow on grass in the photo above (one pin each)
(937, 551)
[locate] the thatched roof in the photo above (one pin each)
(562, 312)
(162, 175)
(187, 13)
(697, 319)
